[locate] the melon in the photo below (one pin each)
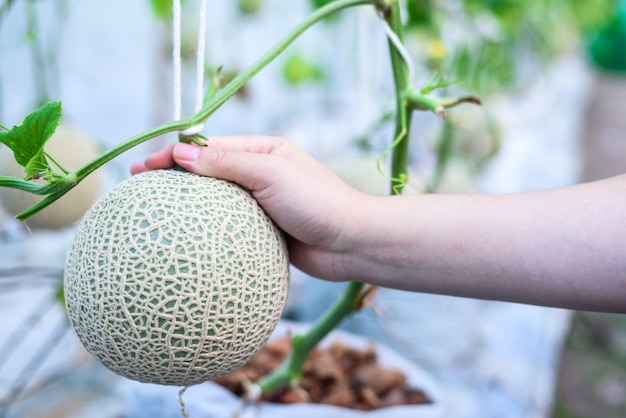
(175, 279)
(72, 148)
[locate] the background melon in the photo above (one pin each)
(72, 148)
(175, 279)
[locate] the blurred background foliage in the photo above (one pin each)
(607, 39)
(489, 44)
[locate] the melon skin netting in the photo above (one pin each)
(175, 279)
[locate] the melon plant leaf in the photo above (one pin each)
(318, 4)
(436, 81)
(419, 13)
(298, 70)
(27, 140)
(36, 166)
(162, 9)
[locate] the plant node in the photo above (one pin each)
(366, 299)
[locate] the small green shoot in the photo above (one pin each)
(437, 81)
(27, 141)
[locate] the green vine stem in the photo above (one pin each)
(402, 82)
(290, 371)
(56, 190)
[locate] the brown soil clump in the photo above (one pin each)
(337, 375)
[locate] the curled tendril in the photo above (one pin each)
(399, 182)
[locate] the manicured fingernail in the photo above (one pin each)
(186, 152)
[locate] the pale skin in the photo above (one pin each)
(562, 247)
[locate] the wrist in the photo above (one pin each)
(366, 240)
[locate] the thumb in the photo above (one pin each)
(248, 169)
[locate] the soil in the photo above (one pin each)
(335, 375)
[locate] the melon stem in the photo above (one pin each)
(290, 371)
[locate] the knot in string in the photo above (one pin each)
(194, 130)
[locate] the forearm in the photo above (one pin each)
(563, 247)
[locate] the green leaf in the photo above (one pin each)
(318, 4)
(606, 47)
(27, 140)
(37, 166)
(436, 81)
(249, 7)
(162, 9)
(419, 13)
(298, 69)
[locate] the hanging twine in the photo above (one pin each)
(177, 62)
(397, 43)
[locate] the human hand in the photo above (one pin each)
(306, 200)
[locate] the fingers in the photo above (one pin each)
(251, 161)
(251, 170)
(255, 144)
(137, 168)
(160, 160)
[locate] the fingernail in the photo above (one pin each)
(186, 152)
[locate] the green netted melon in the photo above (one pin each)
(175, 279)
(72, 148)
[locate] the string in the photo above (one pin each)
(399, 47)
(177, 62)
(176, 57)
(201, 56)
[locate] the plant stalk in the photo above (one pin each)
(302, 344)
(402, 83)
